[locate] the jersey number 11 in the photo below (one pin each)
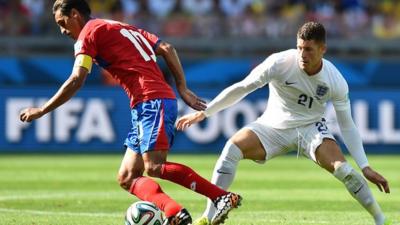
(139, 42)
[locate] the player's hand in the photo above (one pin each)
(377, 179)
(192, 100)
(189, 119)
(29, 114)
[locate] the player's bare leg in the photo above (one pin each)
(330, 157)
(132, 166)
(243, 144)
(153, 161)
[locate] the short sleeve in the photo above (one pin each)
(86, 43)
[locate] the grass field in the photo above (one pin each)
(82, 190)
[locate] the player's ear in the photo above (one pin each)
(323, 48)
(74, 14)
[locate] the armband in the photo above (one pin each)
(84, 61)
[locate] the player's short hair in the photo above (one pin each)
(67, 5)
(312, 31)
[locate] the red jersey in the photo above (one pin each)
(128, 54)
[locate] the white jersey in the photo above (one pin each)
(295, 98)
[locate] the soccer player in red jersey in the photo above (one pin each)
(129, 55)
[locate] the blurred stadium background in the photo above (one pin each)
(219, 42)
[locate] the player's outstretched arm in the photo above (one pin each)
(66, 91)
(352, 140)
(168, 52)
(189, 119)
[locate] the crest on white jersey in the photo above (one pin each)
(322, 90)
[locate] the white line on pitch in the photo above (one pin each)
(24, 196)
(38, 212)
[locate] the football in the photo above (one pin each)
(143, 213)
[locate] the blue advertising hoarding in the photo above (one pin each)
(97, 119)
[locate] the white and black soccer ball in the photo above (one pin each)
(143, 213)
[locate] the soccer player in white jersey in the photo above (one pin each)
(301, 82)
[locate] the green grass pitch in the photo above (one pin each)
(82, 190)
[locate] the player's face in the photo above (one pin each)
(310, 55)
(69, 25)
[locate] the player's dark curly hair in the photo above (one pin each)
(67, 5)
(312, 31)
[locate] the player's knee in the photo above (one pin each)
(125, 179)
(153, 170)
(353, 181)
(124, 182)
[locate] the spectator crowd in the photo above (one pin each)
(219, 18)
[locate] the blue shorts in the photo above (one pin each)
(153, 125)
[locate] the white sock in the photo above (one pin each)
(224, 172)
(358, 188)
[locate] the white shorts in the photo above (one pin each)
(305, 139)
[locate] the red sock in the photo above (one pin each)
(186, 177)
(147, 189)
